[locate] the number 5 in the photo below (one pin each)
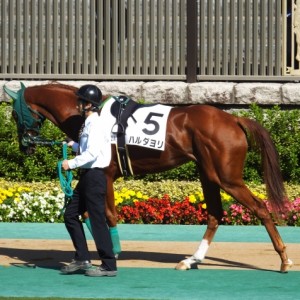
(149, 120)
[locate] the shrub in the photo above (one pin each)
(284, 128)
(16, 166)
(282, 124)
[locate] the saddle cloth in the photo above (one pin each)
(146, 127)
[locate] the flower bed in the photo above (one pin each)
(143, 203)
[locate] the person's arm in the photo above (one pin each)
(94, 143)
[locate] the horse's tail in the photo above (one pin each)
(260, 139)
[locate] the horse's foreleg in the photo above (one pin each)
(200, 253)
(112, 217)
(215, 214)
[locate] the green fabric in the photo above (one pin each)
(20, 107)
(115, 240)
(65, 181)
(113, 233)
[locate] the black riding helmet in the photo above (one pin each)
(90, 93)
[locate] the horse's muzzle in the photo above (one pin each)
(28, 150)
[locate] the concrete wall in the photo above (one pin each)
(167, 92)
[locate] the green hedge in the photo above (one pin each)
(16, 166)
(283, 126)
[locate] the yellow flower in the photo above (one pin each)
(262, 196)
(204, 205)
(131, 193)
(200, 196)
(225, 196)
(192, 199)
(9, 193)
(23, 189)
(139, 195)
(118, 200)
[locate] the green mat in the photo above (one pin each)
(151, 283)
(152, 232)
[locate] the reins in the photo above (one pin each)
(38, 140)
(65, 180)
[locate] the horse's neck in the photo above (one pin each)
(59, 107)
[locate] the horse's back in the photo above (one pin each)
(205, 119)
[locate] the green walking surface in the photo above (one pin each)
(150, 283)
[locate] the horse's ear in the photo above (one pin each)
(23, 87)
(10, 93)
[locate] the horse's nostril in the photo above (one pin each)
(27, 150)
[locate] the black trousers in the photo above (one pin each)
(89, 195)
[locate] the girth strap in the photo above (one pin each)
(122, 109)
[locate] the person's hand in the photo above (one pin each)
(65, 165)
(71, 143)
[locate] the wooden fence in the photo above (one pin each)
(190, 40)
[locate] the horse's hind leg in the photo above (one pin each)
(242, 194)
(212, 196)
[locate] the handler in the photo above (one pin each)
(94, 154)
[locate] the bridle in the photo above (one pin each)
(27, 124)
(29, 121)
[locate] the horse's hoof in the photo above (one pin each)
(182, 266)
(286, 266)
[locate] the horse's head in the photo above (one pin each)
(28, 121)
(31, 106)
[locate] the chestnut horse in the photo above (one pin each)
(215, 140)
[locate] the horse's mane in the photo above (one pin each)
(56, 85)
